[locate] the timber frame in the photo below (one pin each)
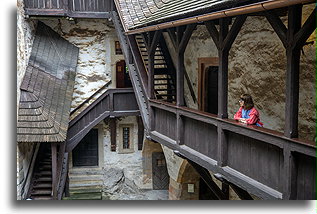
(212, 148)
(232, 151)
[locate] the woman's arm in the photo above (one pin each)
(254, 117)
(238, 115)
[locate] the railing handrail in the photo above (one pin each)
(174, 108)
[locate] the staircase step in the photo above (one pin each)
(42, 186)
(164, 89)
(43, 179)
(43, 173)
(166, 95)
(41, 197)
(41, 192)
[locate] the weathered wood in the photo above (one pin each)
(179, 129)
(222, 146)
(213, 32)
(54, 170)
(289, 174)
(243, 195)
(292, 73)
(113, 133)
(223, 70)
(277, 25)
(140, 133)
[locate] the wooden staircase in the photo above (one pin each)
(164, 78)
(41, 183)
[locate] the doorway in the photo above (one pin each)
(208, 85)
(160, 175)
(122, 75)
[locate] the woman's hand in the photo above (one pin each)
(242, 120)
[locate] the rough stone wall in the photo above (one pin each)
(148, 148)
(26, 153)
(257, 65)
(25, 37)
(96, 62)
(119, 175)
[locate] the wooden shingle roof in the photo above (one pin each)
(47, 88)
(139, 13)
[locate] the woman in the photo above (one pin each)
(247, 113)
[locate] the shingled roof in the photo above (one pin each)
(47, 88)
(139, 13)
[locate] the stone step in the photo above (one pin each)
(74, 184)
(88, 189)
(41, 192)
(85, 177)
(41, 197)
(85, 196)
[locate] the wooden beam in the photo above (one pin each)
(289, 174)
(185, 37)
(234, 30)
(54, 170)
(292, 73)
(303, 34)
(179, 129)
(113, 133)
(222, 146)
(172, 35)
(223, 70)
(140, 132)
(277, 25)
(213, 32)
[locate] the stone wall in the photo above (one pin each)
(95, 39)
(26, 154)
(148, 148)
(118, 175)
(25, 37)
(257, 65)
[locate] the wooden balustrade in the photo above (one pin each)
(69, 8)
(262, 161)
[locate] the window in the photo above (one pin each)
(126, 139)
(118, 48)
(86, 152)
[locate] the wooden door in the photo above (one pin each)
(208, 83)
(122, 75)
(120, 70)
(160, 175)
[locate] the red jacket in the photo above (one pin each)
(254, 116)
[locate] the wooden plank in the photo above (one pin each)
(292, 74)
(223, 70)
(277, 25)
(54, 169)
(113, 133)
(222, 147)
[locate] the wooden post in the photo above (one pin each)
(54, 170)
(222, 147)
(180, 129)
(223, 70)
(292, 73)
(180, 79)
(289, 175)
(151, 75)
(140, 133)
(113, 133)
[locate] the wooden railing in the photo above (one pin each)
(69, 8)
(262, 161)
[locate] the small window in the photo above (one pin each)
(126, 137)
(86, 152)
(118, 48)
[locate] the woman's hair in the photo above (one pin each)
(248, 102)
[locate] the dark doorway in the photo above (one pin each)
(211, 93)
(159, 171)
(86, 152)
(122, 75)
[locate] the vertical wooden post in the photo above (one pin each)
(140, 133)
(54, 170)
(292, 73)
(151, 75)
(223, 53)
(222, 147)
(113, 133)
(180, 129)
(289, 175)
(180, 79)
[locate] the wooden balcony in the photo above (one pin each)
(261, 161)
(69, 8)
